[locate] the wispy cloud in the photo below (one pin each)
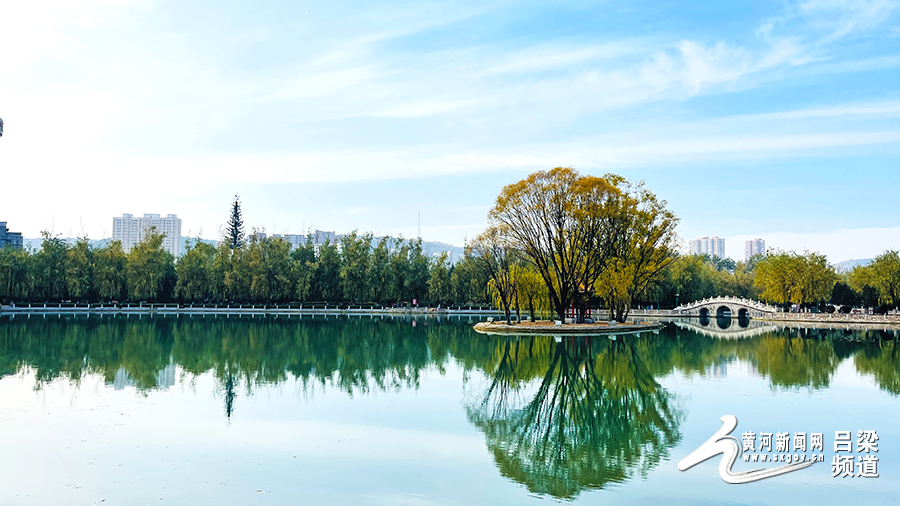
(839, 18)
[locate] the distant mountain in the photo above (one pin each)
(434, 248)
(848, 265)
(36, 243)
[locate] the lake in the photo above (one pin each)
(420, 411)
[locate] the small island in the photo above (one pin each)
(567, 329)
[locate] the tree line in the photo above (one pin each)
(356, 269)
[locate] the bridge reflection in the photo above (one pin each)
(725, 326)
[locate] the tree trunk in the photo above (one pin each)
(622, 310)
(561, 313)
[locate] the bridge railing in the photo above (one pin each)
(728, 299)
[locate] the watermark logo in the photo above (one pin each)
(722, 443)
(790, 450)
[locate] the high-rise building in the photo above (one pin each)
(130, 231)
(754, 247)
(712, 246)
(295, 240)
(9, 239)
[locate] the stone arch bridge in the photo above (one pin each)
(736, 307)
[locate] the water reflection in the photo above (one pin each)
(881, 359)
(723, 321)
(597, 416)
(558, 417)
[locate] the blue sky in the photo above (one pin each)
(774, 119)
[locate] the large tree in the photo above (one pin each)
(563, 223)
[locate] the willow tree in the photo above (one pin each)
(48, 267)
(194, 272)
(439, 279)
(494, 252)
(791, 278)
(356, 252)
(79, 269)
(531, 293)
(149, 268)
(563, 223)
(16, 280)
(110, 272)
(883, 274)
(642, 244)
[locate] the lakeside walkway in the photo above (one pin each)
(275, 309)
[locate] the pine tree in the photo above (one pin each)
(234, 234)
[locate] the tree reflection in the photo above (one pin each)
(597, 415)
(882, 361)
(793, 362)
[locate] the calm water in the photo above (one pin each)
(205, 410)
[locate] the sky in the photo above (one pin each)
(771, 119)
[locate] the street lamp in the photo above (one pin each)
(676, 299)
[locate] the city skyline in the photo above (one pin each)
(782, 117)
